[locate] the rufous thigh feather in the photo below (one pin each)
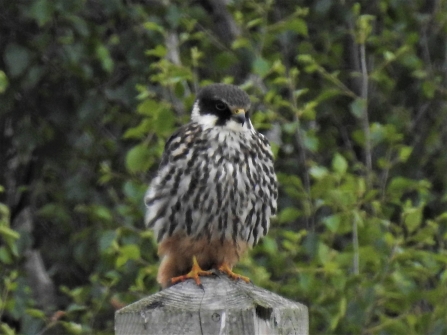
(178, 250)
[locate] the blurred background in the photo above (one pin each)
(352, 96)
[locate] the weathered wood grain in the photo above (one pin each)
(222, 306)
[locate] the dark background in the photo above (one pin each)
(351, 95)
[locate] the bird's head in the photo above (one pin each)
(222, 105)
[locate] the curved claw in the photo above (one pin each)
(195, 273)
(227, 270)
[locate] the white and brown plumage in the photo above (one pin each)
(215, 189)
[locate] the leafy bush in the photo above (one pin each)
(350, 95)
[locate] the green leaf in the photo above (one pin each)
(290, 127)
(33, 76)
(332, 222)
(311, 244)
(42, 11)
(5, 256)
(389, 56)
(54, 211)
(311, 142)
(404, 153)
(77, 294)
(3, 82)
(138, 159)
(318, 172)
(102, 213)
(324, 253)
(35, 313)
(289, 214)
(339, 164)
(17, 59)
(9, 233)
(106, 240)
(413, 218)
(158, 51)
(174, 15)
(127, 252)
(148, 107)
(240, 42)
(261, 67)
(150, 25)
(429, 89)
(298, 26)
(72, 327)
(164, 121)
(358, 107)
(120, 261)
(6, 330)
(80, 25)
(102, 53)
(399, 185)
(140, 131)
(131, 251)
(269, 245)
(256, 22)
(443, 277)
(134, 190)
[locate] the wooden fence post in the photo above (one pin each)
(221, 307)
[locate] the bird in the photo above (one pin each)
(215, 190)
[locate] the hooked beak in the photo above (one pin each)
(239, 115)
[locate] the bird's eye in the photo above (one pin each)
(220, 106)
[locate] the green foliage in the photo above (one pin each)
(10, 285)
(3, 82)
(351, 96)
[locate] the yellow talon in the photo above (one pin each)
(195, 272)
(226, 269)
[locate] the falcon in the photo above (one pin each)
(215, 190)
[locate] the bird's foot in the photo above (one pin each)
(227, 270)
(195, 272)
